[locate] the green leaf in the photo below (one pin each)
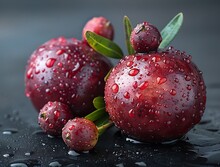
(103, 45)
(97, 114)
(107, 75)
(128, 30)
(103, 120)
(99, 102)
(170, 30)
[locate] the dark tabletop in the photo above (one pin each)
(24, 25)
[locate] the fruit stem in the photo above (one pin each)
(95, 115)
(104, 127)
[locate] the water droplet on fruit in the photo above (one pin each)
(143, 85)
(189, 87)
(161, 80)
(56, 114)
(71, 127)
(51, 126)
(133, 72)
(176, 80)
(183, 119)
(156, 59)
(131, 113)
(127, 95)
(76, 67)
(29, 73)
(130, 63)
(173, 92)
(187, 78)
(135, 84)
(50, 62)
(60, 64)
(59, 52)
(115, 88)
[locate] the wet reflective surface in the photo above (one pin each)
(28, 145)
(25, 26)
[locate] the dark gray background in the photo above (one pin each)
(24, 25)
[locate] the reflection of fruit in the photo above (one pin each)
(145, 37)
(80, 134)
(68, 71)
(53, 116)
(100, 26)
(155, 97)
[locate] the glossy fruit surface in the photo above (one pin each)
(80, 134)
(100, 26)
(155, 97)
(145, 37)
(53, 116)
(68, 71)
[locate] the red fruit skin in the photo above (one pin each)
(155, 97)
(53, 116)
(145, 38)
(80, 134)
(100, 26)
(68, 71)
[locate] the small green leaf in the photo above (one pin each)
(97, 114)
(128, 30)
(107, 75)
(170, 30)
(99, 102)
(103, 120)
(103, 45)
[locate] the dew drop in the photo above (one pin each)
(133, 72)
(29, 73)
(73, 153)
(50, 62)
(115, 88)
(161, 80)
(143, 85)
(131, 113)
(173, 92)
(71, 127)
(189, 87)
(187, 78)
(55, 164)
(56, 114)
(59, 52)
(141, 163)
(135, 84)
(127, 95)
(130, 63)
(18, 165)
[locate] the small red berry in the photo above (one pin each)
(145, 37)
(100, 26)
(53, 116)
(80, 134)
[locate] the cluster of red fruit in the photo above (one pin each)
(152, 95)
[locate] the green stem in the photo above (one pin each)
(97, 114)
(104, 127)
